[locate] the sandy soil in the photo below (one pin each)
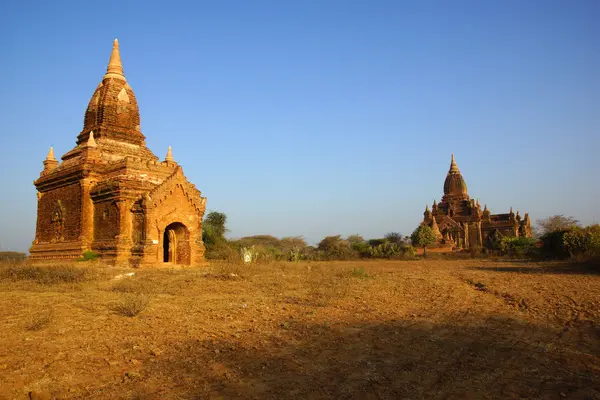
(366, 329)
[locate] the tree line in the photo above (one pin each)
(555, 237)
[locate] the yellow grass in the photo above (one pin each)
(464, 329)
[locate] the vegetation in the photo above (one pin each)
(555, 223)
(423, 236)
(89, 256)
(131, 304)
(12, 256)
(47, 275)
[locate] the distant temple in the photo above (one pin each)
(459, 221)
(112, 195)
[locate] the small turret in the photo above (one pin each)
(50, 162)
(427, 214)
(169, 156)
(486, 213)
(435, 228)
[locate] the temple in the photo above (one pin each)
(112, 195)
(459, 222)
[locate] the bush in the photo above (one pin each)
(48, 275)
(518, 246)
(132, 304)
(582, 241)
(89, 256)
(12, 256)
(336, 248)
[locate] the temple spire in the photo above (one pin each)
(50, 162)
(50, 156)
(115, 68)
(453, 166)
(169, 156)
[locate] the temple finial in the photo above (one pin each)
(50, 156)
(115, 68)
(50, 162)
(169, 156)
(91, 141)
(453, 166)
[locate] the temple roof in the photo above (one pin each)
(113, 112)
(454, 183)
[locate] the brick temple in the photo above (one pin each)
(459, 221)
(112, 195)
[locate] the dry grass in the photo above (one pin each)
(371, 329)
(45, 275)
(131, 304)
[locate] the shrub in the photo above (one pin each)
(582, 241)
(336, 248)
(518, 246)
(360, 273)
(132, 304)
(89, 256)
(48, 275)
(12, 256)
(37, 322)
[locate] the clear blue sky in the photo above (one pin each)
(318, 117)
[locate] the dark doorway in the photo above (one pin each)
(176, 248)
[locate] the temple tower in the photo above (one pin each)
(112, 195)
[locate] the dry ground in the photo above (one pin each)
(367, 329)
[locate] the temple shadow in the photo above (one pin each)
(409, 359)
(590, 267)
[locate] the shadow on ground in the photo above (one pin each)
(563, 268)
(409, 359)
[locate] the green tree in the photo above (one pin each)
(423, 236)
(213, 227)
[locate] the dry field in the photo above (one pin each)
(470, 329)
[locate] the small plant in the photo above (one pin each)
(295, 254)
(360, 273)
(249, 254)
(132, 304)
(37, 322)
(89, 255)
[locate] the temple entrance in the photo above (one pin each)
(176, 244)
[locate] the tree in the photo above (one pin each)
(423, 236)
(555, 223)
(394, 237)
(213, 228)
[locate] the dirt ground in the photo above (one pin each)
(429, 329)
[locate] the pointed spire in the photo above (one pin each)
(50, 162)
(434, 203)
(91, 141)
(485, 208)
(115, 68)
(50, 156)
(169, 156)
(427, 207)
(435, 228)
(453, 166)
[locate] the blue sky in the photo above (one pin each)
(321, 117)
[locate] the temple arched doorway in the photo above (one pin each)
(176, 244)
